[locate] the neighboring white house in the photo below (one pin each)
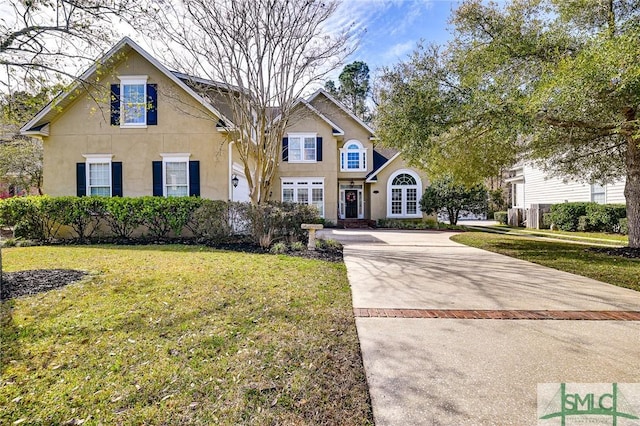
(531, 185)
(533, 191)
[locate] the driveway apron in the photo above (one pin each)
(453, 335)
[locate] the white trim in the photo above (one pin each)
(174, 158)
(342, 202)
(370, 178)
(97, 159)
(125, 41)
(418, 187)
(302, 136)
(362, 156)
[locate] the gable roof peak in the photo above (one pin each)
(340, 105)
(64, 99)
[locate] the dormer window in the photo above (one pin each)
(353, 157)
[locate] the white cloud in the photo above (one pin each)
(397, 51)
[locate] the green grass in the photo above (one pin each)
(569, 235)
(567, 257)
(181, 335)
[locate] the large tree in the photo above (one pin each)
(550, 81)
(42, 39)
(354, 88)
(264, 54)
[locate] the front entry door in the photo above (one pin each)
(351, 203)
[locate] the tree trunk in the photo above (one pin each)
(632, 191)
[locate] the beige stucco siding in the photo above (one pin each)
(183, 127)
(378, 202)
(307, 122)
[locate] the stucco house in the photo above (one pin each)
(533, 191)
(140, 129)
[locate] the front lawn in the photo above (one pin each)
(574, 258)
(181, 335)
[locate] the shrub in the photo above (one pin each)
(428, 223)
(83, 215)
(24, 215)
(278, 248)
(566, 215)
(212, 220)
(124, 215)
(605, 217)
(163, 215)
(501, 217)
(298, 246)
(546, 220)
(584, 224)
(329, 244)
(623, 226)
(275, 221)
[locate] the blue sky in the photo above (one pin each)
(394, 27)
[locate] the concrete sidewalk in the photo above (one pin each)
(477, 371)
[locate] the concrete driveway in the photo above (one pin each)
(433, 358)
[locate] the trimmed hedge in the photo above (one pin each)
(42, 218)
(588, 217)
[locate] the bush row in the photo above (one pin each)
(588, 217)
(44, 218)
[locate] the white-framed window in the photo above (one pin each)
(304, 191)
(404, 189)
(598, 193)
(302, 147)
(175, 175)
(133, 101)
(98, 174)
(353, 157)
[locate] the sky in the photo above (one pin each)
(390, 29)
(393, 28)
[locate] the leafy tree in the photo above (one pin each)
(354, 88)
(265, 54)
(555, 82)
(330, 86)
(446, 196)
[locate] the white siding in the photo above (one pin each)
(541, 190)
(615, 193)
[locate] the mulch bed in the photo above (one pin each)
(24, 283)
(628, 252)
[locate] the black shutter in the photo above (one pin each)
(115, 104)
(157, 178)
(285, 149)
(194, 178)
(319, 148)
(81, 179)
(116, 179)
(152, 104)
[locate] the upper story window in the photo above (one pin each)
(353, 157)
(302, 148)
(133, 101)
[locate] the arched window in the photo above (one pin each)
(404, 190)
(353, 157)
